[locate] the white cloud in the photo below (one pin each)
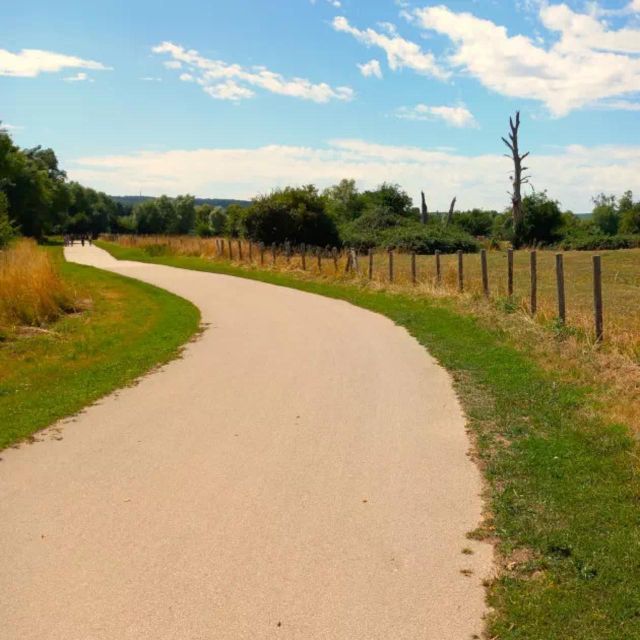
(30, 63)
(81, 76)
(572, 174)
(10, 127)
(150, 79)
(371, 68)
(588, 62)
(458, 116)
(400, 52)
(225, 81)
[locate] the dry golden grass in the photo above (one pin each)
(613, 367)
(32, 292)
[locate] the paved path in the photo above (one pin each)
(301, 473)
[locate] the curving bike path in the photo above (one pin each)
(300, 473)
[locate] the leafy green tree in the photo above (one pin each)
(542, 219)
(210, 220)
(629, 214)
(184, 215)
(605, 214)
(294, 214)
(235, 224)
(343, 201)
(148, 218)
(392, 197)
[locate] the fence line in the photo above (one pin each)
(345, 263)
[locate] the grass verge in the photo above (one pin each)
(562, 489)
(127, 328)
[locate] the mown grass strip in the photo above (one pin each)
(128, 328)
(563, 493)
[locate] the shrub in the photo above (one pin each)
(380, 227)
(296, 215)
(599, 241)
(476, 222)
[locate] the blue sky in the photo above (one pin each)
(229, 99)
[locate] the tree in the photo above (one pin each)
(542, 219)
(184, 215)
(343, 201)
(605, 214)
(7, 230)
(297, 215)
(629, 212)
(391, 196)
(517, 180)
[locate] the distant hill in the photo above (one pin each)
(130, 201)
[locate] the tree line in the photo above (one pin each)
(37, 199)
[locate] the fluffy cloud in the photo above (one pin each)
(30, 63)
(587, 63)
(400, 52)
(225, 81)
(572, 174)
(458, 116)
(371, 68)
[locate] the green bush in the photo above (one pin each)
(380, 227)
(296, 215)
(598, 241)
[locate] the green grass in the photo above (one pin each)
(562, 487)
(128, 328)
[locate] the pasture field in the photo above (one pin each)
(53, 363)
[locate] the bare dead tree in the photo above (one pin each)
(451, 210)
(424, 211)
(518, 178)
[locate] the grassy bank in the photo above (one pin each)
(123, 329)
(562, 488)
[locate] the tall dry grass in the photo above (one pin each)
(32, 292)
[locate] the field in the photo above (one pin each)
(620, 280)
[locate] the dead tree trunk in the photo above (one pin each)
(424, 211)
(517, 179)
(452, 208)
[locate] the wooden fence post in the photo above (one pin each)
(262, 254)
(438, 268)
(250, 251)
(460, 271)
(414, 271)
(230, 250)
(370, 264)
(273, 254)
(485, 272)
(319, 254)
(287, 250)
(390, 265)
(597, 298)
(562, 310)
(239, 250)
(303, 250)
(334, 253)
(510, 272)
(533, 303)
